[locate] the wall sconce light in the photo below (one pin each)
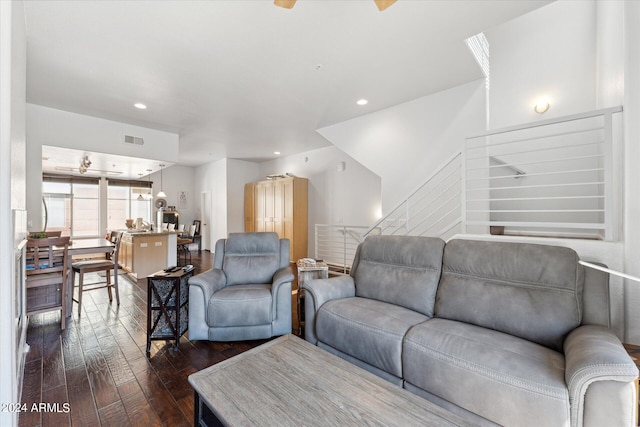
(541, 106)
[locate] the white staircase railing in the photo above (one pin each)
(337, 244)
(434, 209)
(549, 178)
(552, 178)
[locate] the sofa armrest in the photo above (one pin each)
(319, 291)
(594, 354)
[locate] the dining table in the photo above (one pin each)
(86, 247)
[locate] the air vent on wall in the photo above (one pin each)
(133, 140)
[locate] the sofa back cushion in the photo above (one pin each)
(529, 291)
(401, 270)
(251, 258)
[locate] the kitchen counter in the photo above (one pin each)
(144, 252)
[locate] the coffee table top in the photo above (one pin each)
(290, 382)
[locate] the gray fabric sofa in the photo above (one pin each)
(247, 293)
(500, 333)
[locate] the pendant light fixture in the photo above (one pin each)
(140, 197)
(161, 193)
(149, 195)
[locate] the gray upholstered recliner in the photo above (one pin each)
(247, 293)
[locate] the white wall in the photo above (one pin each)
(48, 126)
(12, 187)
(610, 54)
(347, 197)
(406, 143)
(548, 52)
(583, 55)
(239, 172)
(176, 179)
(632, 171)
(212, 179)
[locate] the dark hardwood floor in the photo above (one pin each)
(97, 371)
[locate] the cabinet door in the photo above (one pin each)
(287, 210)
(269, 206)
(259, 207)
(249, 210)
(278, 207)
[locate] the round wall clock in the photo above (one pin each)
(161, 203)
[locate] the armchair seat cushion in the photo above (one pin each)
(368, 330)
(241, 305)
(490, 373)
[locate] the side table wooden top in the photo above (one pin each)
(307, 266)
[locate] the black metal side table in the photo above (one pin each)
(167, 305)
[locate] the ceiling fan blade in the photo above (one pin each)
(383, 4)
(287, 4)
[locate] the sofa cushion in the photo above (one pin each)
(367, 329)
(402, 270)
(251, 257)
(500, 377)
(530, 291)
(240, 305)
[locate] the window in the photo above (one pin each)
(127, 200)
(72, 206)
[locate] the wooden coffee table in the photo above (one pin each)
(290, 382)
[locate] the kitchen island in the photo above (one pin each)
(143, 253)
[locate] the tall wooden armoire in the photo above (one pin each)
(279, 205)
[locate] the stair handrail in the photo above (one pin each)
(608, 270)
(553, 121)
(420, 187)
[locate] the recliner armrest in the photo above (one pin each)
(283, 275)
(209, 281)
(282, 279)
(593, 353)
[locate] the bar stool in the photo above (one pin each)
(91, 266)
(183, 247)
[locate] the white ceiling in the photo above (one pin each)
(67, 161)
(242, 79)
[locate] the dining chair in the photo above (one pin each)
(46, 279)
(97, 265)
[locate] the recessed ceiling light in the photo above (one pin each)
(140, 106)
(362, 102)
(277, 153)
